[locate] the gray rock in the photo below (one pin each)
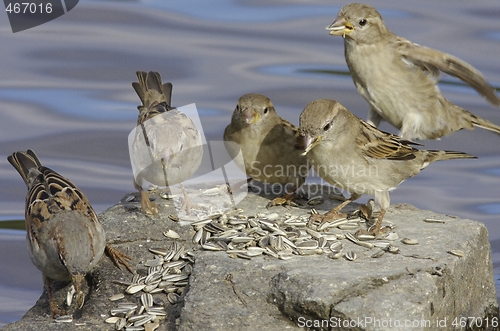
(421, 283)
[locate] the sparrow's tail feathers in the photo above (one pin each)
(485, 124)
(23, 162)
(150, 89)
(436, 155)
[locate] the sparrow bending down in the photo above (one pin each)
(65, 238)
(268, 145)
(399, 78)
(167, 146)
(353, 155)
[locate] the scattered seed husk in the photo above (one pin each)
(112, 319)
(336, 246)
(117, 297)
(434, 220)
(409, 241)
(314, 201)
(378, 253)
(134, 288)
(173, 217)
(351, 237)
(351, 256)
(365, 237)
(69, 296)
(335, 254)
(456, 252)
(167, 196)
(145, 319)
(171, 234)
(158, 311)
(147, 300)
(392, 249)
(311, 244)
(365, 244)
(173, 298)
(64, 319)
(120, 323)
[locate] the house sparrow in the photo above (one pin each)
(65, 238)
(268, 145)
(353, 155)
(399, 78)
(166, 147)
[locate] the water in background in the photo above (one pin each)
(65, 92)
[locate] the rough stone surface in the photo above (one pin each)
(421, 282)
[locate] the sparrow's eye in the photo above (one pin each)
(326, 127)
(238, 108)
(362, 22)
(266, 110)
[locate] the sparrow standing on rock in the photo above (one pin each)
(268, 145)
(167, 146)
(65, 238)
(399, 78)
(353, 155)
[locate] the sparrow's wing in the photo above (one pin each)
(382, 145)
(432, 60)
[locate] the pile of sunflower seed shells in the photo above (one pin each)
(240, 236)
(284, 236)
(167, 274)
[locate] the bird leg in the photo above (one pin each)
(148, 207)
(118, 258)
(187, 205)
(377, 228)
(383, 199)
(54, 308)
(333, 214)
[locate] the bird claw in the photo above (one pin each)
(55, 310)
(286, 200)
(148, 207)
(328, 217)
(373, 231)
(118, 258)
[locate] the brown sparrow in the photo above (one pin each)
(353, 155)
(268, 145)
(166, 146)
(399, 78)
(65, 238)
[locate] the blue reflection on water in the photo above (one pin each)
(78, 103)
(242, 11)
(489, 208)
(306, 70)
(493, 35)
(81, 103)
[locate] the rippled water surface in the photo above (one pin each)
(65, 92)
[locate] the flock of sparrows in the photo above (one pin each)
(396, 77)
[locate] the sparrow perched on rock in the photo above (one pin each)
(268, 145)
(65, 238)
(167, 147)
(399, 78)
(353, 155)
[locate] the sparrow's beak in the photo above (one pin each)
(250, 116)
(310, 142)
(340, 27)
